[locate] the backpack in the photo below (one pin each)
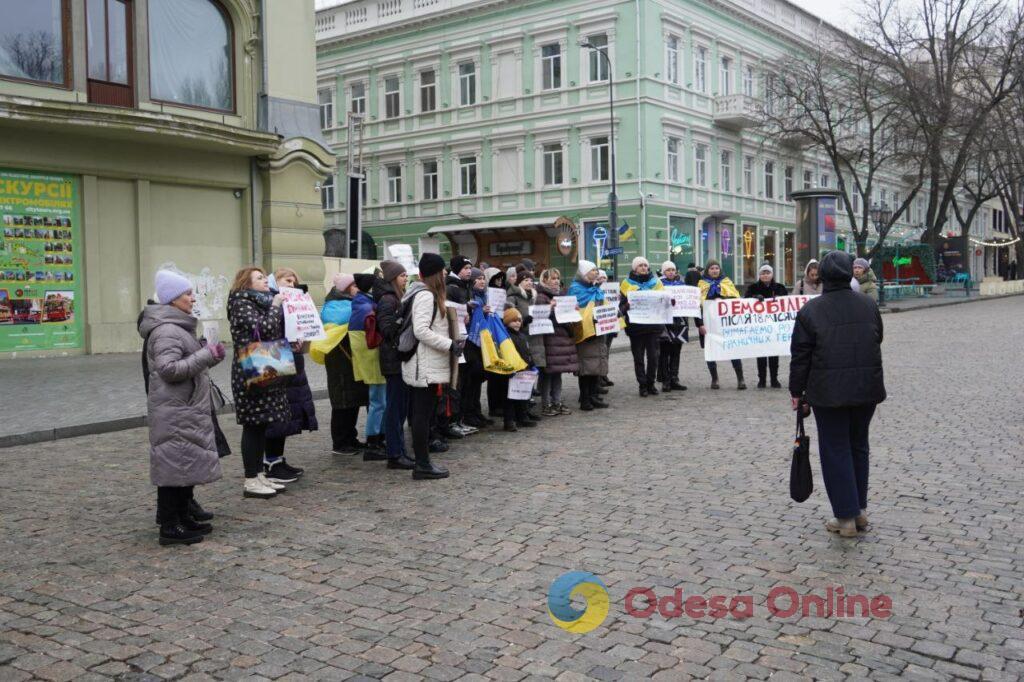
(407, 341)
(373, 335)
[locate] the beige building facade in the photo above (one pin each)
(141, 134)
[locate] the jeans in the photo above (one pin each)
(343, 427)
(395, 413)
(375, 412)
(550, 388)
(843, 446)
(771, 364)
(255, 446)
(172, 503)
(668, 362)
(641, 345)
(422, 405)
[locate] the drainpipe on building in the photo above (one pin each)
(255, 219)
(640, 138)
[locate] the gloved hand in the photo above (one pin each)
(760, 298)
(456, 348)
(217, 351)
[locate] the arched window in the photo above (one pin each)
(190, 54)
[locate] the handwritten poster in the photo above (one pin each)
(496, 299)
(606, 319)
(520, 385)
(565, 309)
(748, 328)
(542, 327)
(685, 301)
(461, 316)
(649, 307)
(301, 319)
(611, 292)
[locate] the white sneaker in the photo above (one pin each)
(262, 478)
(255, 488)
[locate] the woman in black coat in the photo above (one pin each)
(388, 291)
(836, 368)
(766, 287)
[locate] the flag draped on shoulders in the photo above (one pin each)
(365, 360)
(335, 314)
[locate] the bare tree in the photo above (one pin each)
(1008, 162)
(954, 62)
(36, 54)
(839, 102)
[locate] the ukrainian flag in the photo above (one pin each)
(365, 360)
(499, 353)
(625, 232)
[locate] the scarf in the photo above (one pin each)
(585, 292)
(714, 286)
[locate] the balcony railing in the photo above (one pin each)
(737, 111)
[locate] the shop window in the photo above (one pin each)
(190, 54)
(33, 41)
(681, 245)
(748, 251)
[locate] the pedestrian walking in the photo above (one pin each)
(300, 401)
(765, 288)
(865, 277)
(254, 313)
(714, 284)
(836, 368)
(347, 394)
(559, 349)
(388, 292)
(435, 361)
(183, 450)
(644, 339)
(810, 283)
(593, 351)
(672, 338)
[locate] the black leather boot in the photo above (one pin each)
(428, 471)
(176, 534)
(402, 462)
(197, 512)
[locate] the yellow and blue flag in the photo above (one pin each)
(499, 353)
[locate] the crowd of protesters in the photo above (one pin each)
(397, 348)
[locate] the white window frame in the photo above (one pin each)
(725, 75)
(426, 88)
(393, 175)
(825, 180)
(326, 108)
(469, 176)
(597, 68)
(725, 170)
(553, 156)
(788, 182)
(769, 179)
(328, 200)
(808, 179)
(357, 105)
(600, 167)
(748, 80)
(551, 67)
(672, 59)
(392, 96)
(430, 185)
(672, 146)
(700, 164)
(700, 68)
(467, 84)
(748, 174)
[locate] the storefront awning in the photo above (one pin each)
(518, 223)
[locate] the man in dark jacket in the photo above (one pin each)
(457, 286)
(692, 275)
(836, 368)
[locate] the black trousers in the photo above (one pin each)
(843, 435)
(422, 407)
(771, 364)
(588, 389)
(645, 345)
(668, 362)
(471, 380)
(343, 426)
(737, 365)
(496, 393)
(255, 445)
(172, 503)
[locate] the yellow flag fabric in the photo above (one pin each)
(318, 350)
(727, 288)
(585, 329)
(365, 360)
(499, 353)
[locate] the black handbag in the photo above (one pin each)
(801, 480)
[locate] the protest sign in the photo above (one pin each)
(301, 319)
(541, 327)
(565, 310)
(520, 385)
(211, 331)
(748, 328)
(404, 255)
(540, 312)
(685, 301)
(649, 307)
(611, 292)
(461, 315)
(496, 299)
(606, 319)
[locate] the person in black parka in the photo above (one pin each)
(766, 287)
(836, 368)
(388, 290)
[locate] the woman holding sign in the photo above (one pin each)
(643, 337)
(766, 287)
(673, 338)
(715, 285)
(592, 351)
(559, 350)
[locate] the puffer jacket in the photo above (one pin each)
(432, 363)
(521, 299)
(253, 318)
(389, 324)
(183, 449)
(837, 344)
(559, 348)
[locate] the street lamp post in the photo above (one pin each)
(613, 199)
(881, 215)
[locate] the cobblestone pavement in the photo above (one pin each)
(358, 572)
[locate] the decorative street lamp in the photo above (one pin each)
(881, 215)
(613, 199)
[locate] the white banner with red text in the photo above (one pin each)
(740, 328)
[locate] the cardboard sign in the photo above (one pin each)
(496, 299)
(685, 301)
(565, 310)
(520, 385)
(461, 316)
(748, 328)
(606, 319)
(611, 292)
(649, 307)
(301, 319)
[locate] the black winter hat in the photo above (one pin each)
(836, 266)
(364, 281)
(457, 263)
(431, 264)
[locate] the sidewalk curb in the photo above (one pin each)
(947, 302)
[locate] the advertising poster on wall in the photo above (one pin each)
(40, 253)
(826, 225)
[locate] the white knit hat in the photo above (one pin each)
(640, 260)
(668, 265)
(766, 268)
(585, 266)
(170, 285)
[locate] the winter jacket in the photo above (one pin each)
(636, 282)
(691, 278)
(183, 450)
(869, 284)
(300, 400)
(433, 362)
(342, 388)
(559, 348)
(389, 324)
(253, 318)
(805, 287)
(837, 348)
(457, 290)
(522, 344)
(676, 333)
(365, 360)
(762, 291)
(592, 352)
(521, 300)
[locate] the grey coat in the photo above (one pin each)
(183, 451)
